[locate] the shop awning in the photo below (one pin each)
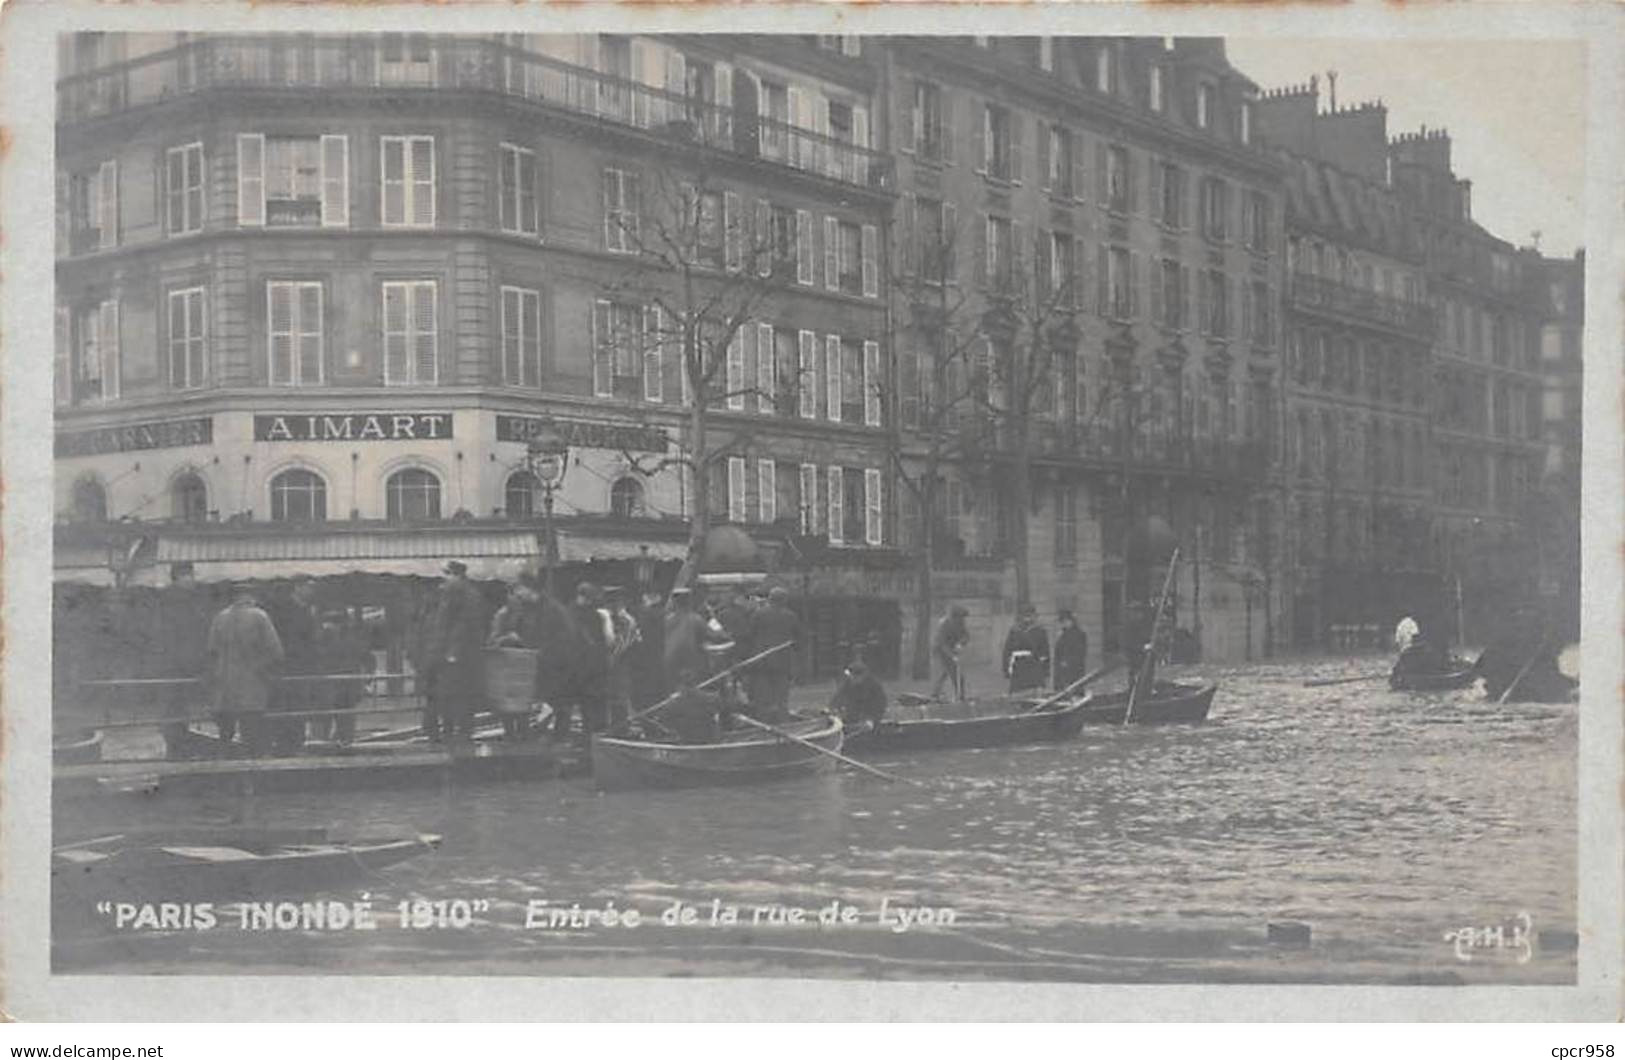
(583, 548)
(488, 553)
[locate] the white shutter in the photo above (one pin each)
(871, 267)
(108, 349)
(871, 383)
(250, 179)
(732, 223)
(832, 378)
(335, 181)
(654, 354)
(766, 492)
(107, 204)
(765, 369)
(603, 385)
(736, 489)
(804, 247)
(807, 381)
(873, 525)
(832, 254)
(512, 317)
(425, 334)
(762, 243)
(809, 498)
(734, 372)
(837, 519)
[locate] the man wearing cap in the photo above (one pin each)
(583, 663)
(769, 678)
(685, 641)
(244, 652)
(860, 699)
(457, 666)
(1026, 652)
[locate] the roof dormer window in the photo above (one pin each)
(1206, 98)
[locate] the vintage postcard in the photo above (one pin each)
(777, 511)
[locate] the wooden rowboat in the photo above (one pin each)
(1012, 725)
(1444, 681)
(747, 756)
(1169, 703)
(230, 864)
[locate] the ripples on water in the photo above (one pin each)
(1382, 819)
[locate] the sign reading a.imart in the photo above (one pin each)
(354, 427)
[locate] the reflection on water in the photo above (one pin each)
(1383, 820)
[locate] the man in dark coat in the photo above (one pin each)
(770, 678)
(583, 663)
(860, 699)
(685, 658)
(1026, 652)
(648, 656)
(298, 623)
(1071, 651)
(244, 654)
(457, 665)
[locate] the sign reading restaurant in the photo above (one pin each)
(354, 427)
(584, 434)
(162, 434)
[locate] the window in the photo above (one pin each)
(519, 495)
(294, 338)
(1105, 69)
(408, 180)
(997, 126)
(621, 195)
(1171, 210)
(1263, 316)
(1206, 99)
(854, 395)
(298, 496)
(930, 133)
(806, 375)
(411, 340)
(1171, 278)
(412, 495)
(1062, 269)
(286, 181)
(1066, 526)
(626, 498)
(521, 337)
(854, 505)
(189, 499)
(1046, 54)
(405, 59)
(850, 262)
(187, 339)
(517, 191)
(804, 247)
(183, 189)
(767, 492)
(736, 489)
(1245, 123)
(88, 502)
(809, 499)
(1119, 284)
(1117, 179)
(703, 226)
(1059, 176)
(92, 210)
(781, 252)
(1258, 217)
(874, 526)
(766, 370)
(937, 222)
(619, 338)
(1000, 253)
(872, 383)
(1158, 88)
(1218, 303)
(1215, 205)
(836, 493)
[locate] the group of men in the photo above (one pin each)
(1027, 661)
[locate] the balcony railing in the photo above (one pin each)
(1109, 447)
(1319, 292)
(477, 64)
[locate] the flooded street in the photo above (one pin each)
(1382, 820)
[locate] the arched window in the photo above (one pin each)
(298, 496)
(89, 502)
(413, 495)
(189, 499)
(519, 496)
(626, 498)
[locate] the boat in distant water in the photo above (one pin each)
(1169, 703)
(1014, 722)
(1460, 675)
(745, 756)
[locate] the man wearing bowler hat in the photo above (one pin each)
(456, 666)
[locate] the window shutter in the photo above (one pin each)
(734, 371)
(837, 517)
(1103, 289)
(908, 119)
(610, 198)
(809, 499)
(1129, 183)
(949, 129)
(733, 251)
(767, 492)
(511, 316)
(654, 354)
(109, 349)
(807, 383)
(107, 204)
(765, 388)
(423, 180)
(983, 243)
(763, 244)
(1159, 310)
(979, 138)
(832, 254)
(1018, 255)
(1246, 311)
(871, 383)
(1079, 168)
(425, 338)
(1044, 266)
(873, 523)
(1246, 208)
(870, 238)
(1102, 165)
(250, 179)
(1074, 294)
(1043, 147)
(860, 126)
(908, 385)
(804, 247)
(279, 332)
(1136, 276)
(736, 489)
(1155, 203)
(950, 239)
(1018, 122)
(1187, 297)
(603, 385)
(832, 378)
(910, 234)
(335, 181)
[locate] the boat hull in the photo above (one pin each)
(1170, 704)
(1439, 682)
(1000, 730)
(753, 757)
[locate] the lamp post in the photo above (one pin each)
(548, 457)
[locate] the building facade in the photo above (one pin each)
(1561, 361)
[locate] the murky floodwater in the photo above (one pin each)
(1382, 820)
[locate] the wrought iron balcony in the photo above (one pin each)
(1108, 448)
(1317, 292)
(402, 65)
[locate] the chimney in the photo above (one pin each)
(1355, 139)
(1285, 117)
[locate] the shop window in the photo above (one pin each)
(189, 499)
(412, 495)
(298, 496)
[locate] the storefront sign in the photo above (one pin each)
(354, 427)
(165, 434)
(583, 434)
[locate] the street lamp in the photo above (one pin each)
(548, 457)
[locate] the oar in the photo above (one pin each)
(708, 682)
(1516, 681)
(765, 727)
(1148, 667)
(1086, 679)
(1324, 681)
